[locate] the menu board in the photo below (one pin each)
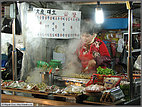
(53, 23)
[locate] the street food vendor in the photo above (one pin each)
(92, 53)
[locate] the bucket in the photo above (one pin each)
(47, 78)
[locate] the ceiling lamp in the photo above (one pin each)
(99, 15)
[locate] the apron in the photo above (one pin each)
(85, 58)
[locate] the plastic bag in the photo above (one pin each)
(95, 88)
(74, 89)
(137, 64)
(120, 45)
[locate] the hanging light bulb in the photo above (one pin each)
(99, 15)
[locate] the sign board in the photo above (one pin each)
(53, 23)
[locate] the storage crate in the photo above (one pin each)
(99, 79)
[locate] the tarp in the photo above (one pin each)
(115, 23)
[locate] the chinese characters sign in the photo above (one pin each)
(57, 23)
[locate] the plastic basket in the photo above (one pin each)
(117, 83)
(95, 79)
(42, 64)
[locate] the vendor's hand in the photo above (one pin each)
(91, 63)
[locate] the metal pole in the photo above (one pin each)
(15, 46)
(14, 64)
(13, 54)
(129, 63)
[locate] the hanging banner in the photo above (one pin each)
(52, 23)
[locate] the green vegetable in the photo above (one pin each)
(106, 71)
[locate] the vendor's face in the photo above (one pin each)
(86, 38)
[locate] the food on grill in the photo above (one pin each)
(58, 91)
(51, 88)
(6, 83)
(82, 76)
(54, 87)
(14, 84)
(23, 85)
(48, 88)
(35, 88)
(41, 86)
(2, 81)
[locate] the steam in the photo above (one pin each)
(34, 77)
(35, 47)
(68, 6)
(72, 65)
(41, 49)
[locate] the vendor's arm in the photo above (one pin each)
(102, 57)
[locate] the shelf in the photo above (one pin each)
(105, 103)
(47, 101)
(14, 98)
(133, 33)
(38, 92)
(24, 91)
(136, 50)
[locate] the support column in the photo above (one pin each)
(129, 59)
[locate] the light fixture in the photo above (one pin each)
(99, 15)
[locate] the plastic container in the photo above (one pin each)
(3, 62)
(4, 59)
(55, 63)
(42, 64)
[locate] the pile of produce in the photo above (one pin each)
(106, 71)
(6, 83)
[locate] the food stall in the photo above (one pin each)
(47, 77)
